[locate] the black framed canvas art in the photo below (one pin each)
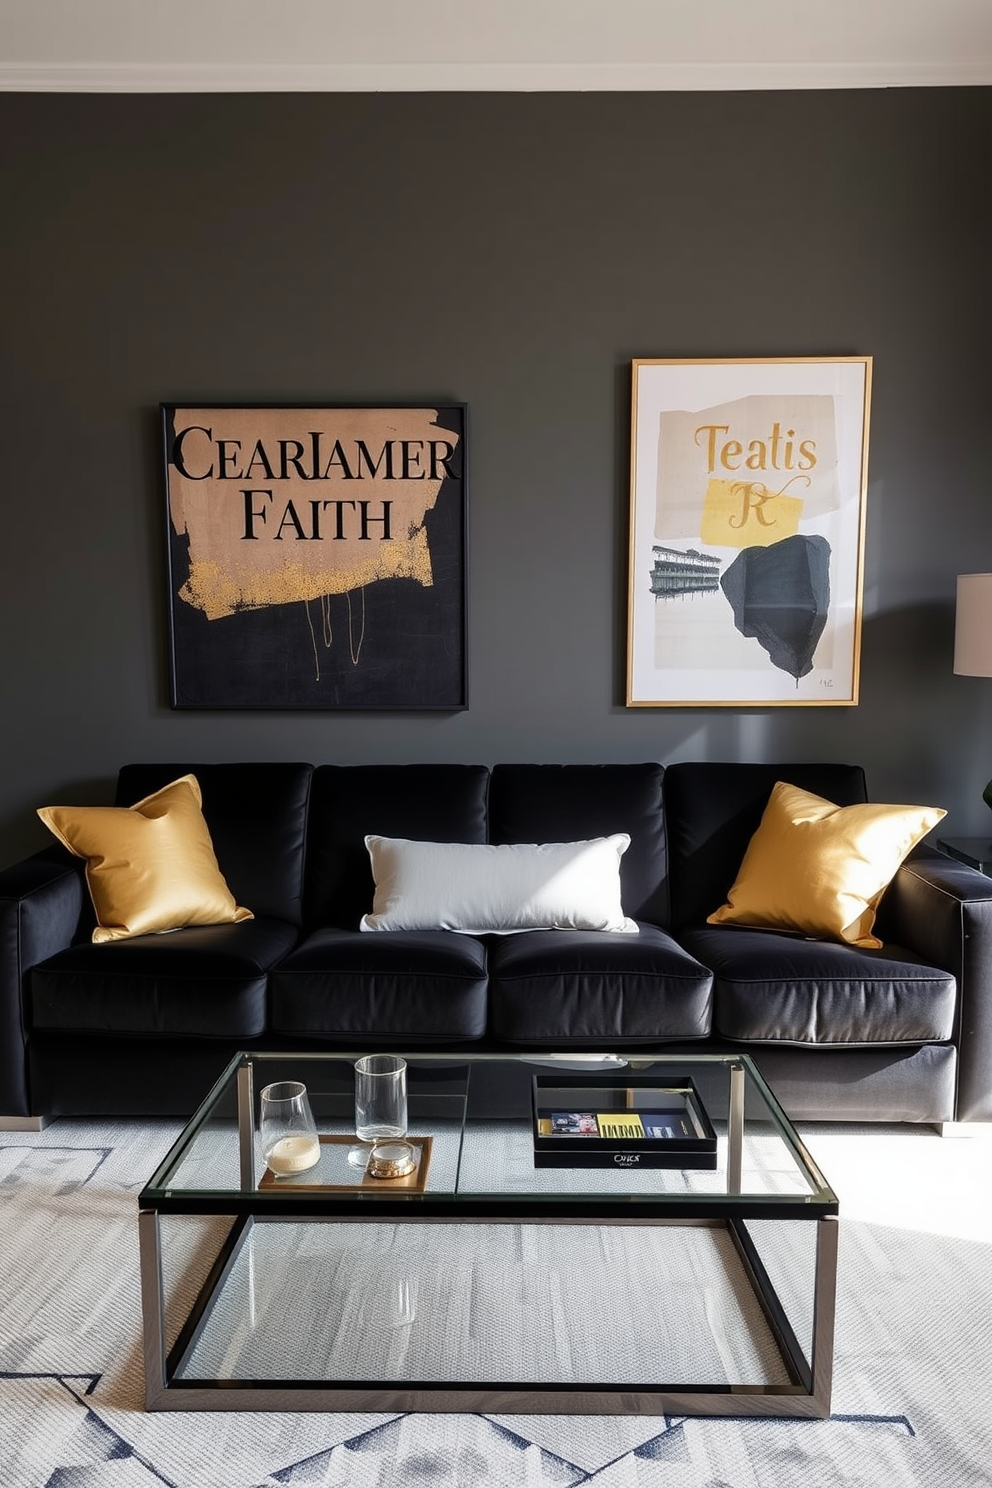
(316, 555)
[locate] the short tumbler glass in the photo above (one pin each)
(287, 1129)
(380, 1097)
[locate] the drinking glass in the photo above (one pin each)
(380, 1097)
(287, 1129)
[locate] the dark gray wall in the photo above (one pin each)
(514, 252)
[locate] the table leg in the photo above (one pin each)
(152, 1306)
(735, 1129)
(246, 1127)
(824, 1309)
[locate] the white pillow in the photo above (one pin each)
(483, 888)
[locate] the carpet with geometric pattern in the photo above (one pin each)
(912, 1371)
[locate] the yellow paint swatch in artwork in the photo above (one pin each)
(747, 514)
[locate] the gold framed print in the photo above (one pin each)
(747, 519)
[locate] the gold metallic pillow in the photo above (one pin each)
(821, 869)
(150, 866)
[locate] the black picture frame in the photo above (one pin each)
(362, 604)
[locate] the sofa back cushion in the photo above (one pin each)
(572, 803)
(428, 803)
(257, 818)
(713, 809)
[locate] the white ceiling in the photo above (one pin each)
(490, 45)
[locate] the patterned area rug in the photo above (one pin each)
(912, 1367)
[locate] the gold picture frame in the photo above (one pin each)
(747, 524)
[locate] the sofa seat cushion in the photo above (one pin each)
(203, 982)
(770, 987)
(416, 984)
(591, 986)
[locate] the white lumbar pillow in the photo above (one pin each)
(483, 888)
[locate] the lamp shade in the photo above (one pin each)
(973, 626)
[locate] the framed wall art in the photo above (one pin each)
(316, 555)
(748, 481)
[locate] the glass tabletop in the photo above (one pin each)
(480, 1125)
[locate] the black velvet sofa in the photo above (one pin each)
(144, 1026)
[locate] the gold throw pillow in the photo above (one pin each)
(150, 867)
(821, 869)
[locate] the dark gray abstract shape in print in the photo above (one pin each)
(780, 596)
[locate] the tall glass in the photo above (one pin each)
(380, 1097)
(287, 1129)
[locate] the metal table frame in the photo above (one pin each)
(806, 1395)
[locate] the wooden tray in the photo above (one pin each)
(415, 1182)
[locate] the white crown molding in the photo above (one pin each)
(367, 46)
(484, 77)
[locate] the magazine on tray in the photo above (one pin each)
(616, 1122)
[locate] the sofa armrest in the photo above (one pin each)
(41, 902)
(942, 910)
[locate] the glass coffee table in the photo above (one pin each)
(489, 1279)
